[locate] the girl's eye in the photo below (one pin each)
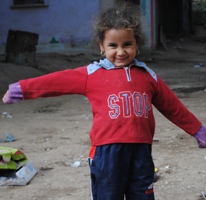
(128, 44)
(112, 45)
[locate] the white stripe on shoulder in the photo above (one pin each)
(142, 64)
(92, 68)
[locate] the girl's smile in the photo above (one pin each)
(119, 46)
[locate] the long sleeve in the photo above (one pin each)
(173, 109)
(55, 84)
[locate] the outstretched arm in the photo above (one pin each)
(171, 107)
(50, 85)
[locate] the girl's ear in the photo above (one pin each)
(101, 47)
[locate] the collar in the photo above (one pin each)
(106, 64)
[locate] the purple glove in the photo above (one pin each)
(13, 94)
(201, 137)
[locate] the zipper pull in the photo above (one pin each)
(127, 70)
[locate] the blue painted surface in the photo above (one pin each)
(65, 21)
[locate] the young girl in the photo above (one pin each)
(121, 91)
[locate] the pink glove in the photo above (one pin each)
(201, 137)
(13, 94)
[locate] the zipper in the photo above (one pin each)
(128, 75)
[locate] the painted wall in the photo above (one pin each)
(65, 20)
(148, 20)
(107, 4)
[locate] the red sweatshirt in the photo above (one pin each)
(121, 100)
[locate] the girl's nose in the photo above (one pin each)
(121, 52)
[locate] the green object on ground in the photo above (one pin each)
(11, 158)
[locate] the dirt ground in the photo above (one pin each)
(53, 132)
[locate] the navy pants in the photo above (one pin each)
(122, 171)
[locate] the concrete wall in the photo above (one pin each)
(64, 20)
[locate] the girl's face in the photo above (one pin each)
(119, 46)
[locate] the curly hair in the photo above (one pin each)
(124, 16)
